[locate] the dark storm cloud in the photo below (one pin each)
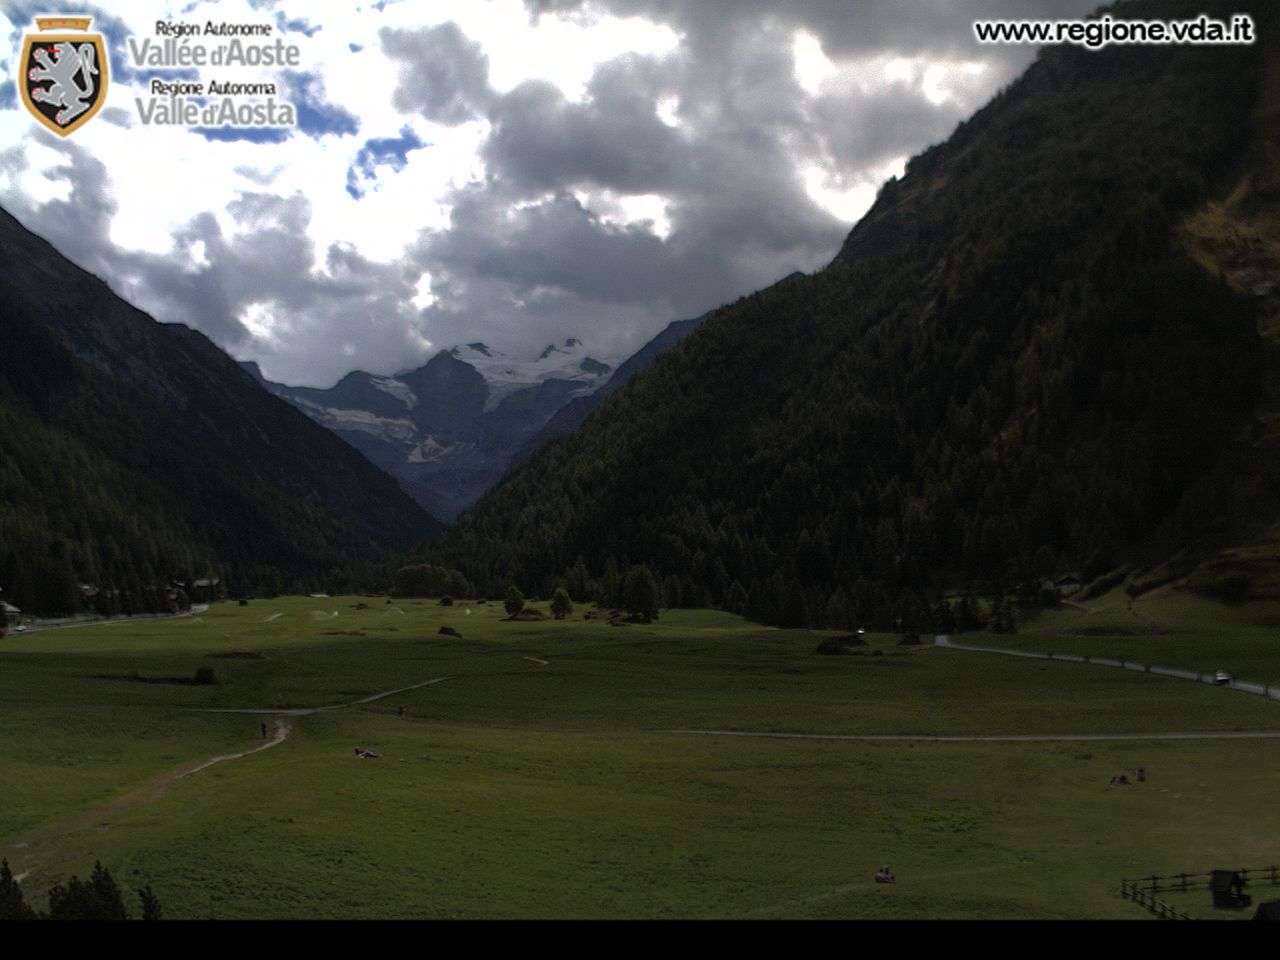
(902, 122)
(444, 75)
(934, 28)
(78, 225)
(738, 211)
(539, 249)
(730, 173)
(331, 310)
(540, 141)
(390, 152)
(553, 244)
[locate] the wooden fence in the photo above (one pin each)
(1143, 892)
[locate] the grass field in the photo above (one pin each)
(517, 788)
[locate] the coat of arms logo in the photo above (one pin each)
(63, 76)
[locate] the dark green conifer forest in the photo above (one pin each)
(1011, 370)
(100, 487)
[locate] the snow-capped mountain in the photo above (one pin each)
(506, 375)
(449, 429)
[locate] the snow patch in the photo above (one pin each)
(366, 422)
(430, 450)
(397, 389)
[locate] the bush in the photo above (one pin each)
(204, 676)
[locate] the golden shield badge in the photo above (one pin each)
(63, 75)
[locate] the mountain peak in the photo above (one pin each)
(594, 367)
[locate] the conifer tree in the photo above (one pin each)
(98, 899)
(150, 905)
(12, 904)
(514, 602)
(640, 594)
(561, 605)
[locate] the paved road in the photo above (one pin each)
(1027, 738)
(1261, 689)
(944, 641)
(71, 623)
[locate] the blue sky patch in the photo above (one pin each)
(247, 134)
(390, 152)
(316, 117)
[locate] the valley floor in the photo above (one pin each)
(698, 767)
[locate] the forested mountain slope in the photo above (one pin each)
(134, 453)
(1012, 369)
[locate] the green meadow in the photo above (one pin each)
(553, 772)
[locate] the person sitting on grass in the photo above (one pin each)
(884, 875)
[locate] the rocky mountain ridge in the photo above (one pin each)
(449, 429)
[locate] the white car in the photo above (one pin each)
(1222, 679)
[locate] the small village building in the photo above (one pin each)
(207, 590)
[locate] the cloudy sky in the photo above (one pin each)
(497, 170)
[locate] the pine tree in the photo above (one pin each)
(640, 594)
(99, 899)
(561, 605)
(150, 905)
(12, 904)
(514, 602)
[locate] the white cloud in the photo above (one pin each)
(709, 151)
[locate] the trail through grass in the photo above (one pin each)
(543, 780)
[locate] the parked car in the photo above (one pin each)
(1222, 679)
